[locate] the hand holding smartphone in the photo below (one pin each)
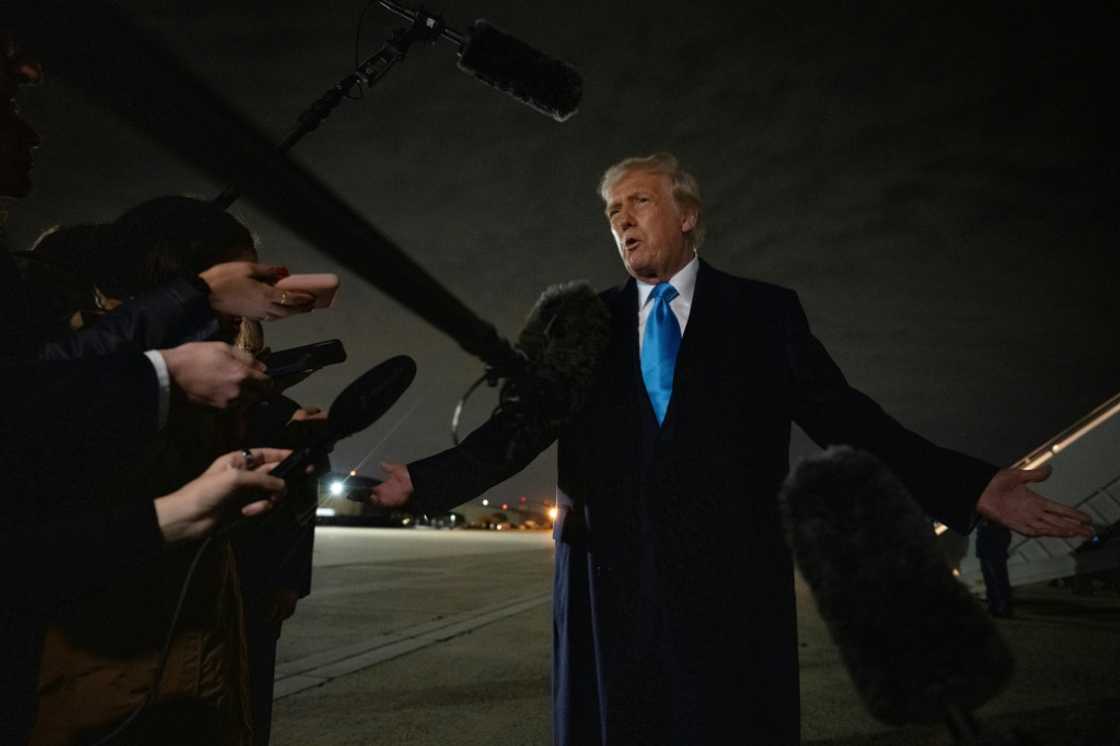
(323, 286)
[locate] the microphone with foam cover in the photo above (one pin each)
(358, 406)
(917, 645)
(504, 62)
(563, 343)
(549, 380)
(546, 84)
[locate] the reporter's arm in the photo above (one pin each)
(246, 289)
(230, 487)
(50, 556)
(176, 312)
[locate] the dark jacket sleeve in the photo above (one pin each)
(172, 314)
(69, 428)
(452, 477)
(945, 483)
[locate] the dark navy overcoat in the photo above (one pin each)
(674, 617)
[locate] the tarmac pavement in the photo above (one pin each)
(425, 637)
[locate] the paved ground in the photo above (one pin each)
(425, 637)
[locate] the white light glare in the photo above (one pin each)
(336, 488)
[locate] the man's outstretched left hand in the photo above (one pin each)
(1008, 500)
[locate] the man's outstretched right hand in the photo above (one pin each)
(395, 490)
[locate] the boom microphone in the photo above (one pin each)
(548, 85)
(917, 645)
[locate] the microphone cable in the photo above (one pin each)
(165, 653)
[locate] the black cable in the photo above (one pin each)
(357, 45)
(458, 413)
(165, 653)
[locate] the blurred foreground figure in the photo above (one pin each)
(75, 418)
(668, 483)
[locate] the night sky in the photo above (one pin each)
(939, 185)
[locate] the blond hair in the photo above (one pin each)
(686, 191)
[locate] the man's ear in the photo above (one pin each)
(688, 219)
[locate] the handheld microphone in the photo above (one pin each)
(359, 405)
(919, 648)
(550, 86)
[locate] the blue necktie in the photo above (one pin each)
(659, 349)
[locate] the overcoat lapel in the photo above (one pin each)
(701, 337)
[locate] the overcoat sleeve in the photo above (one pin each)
(945, 483)
(482, 460)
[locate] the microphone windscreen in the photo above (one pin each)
(563, 341)
(548, 85)
(364, 401)
(911, 636)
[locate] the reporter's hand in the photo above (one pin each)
(304, 427)
(230, 486)
(308, 414)
(395, 490)
(246, 289)
(214, 374)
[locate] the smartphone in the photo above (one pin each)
(323, 286)
(304, 359)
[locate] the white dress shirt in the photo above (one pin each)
(163, 377)
(685, 284)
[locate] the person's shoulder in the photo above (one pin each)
(617, 293)
(748, 289)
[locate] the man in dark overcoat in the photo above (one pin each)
(668, 483)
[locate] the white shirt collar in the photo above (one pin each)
(684, 282)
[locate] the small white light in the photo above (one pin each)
(328, 512)
(336, 488)
(485, 502)
(552, 513)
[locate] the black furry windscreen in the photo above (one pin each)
(548, 85)
(564, 340)
(910, 634)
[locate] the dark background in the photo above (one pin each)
(938, 184)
